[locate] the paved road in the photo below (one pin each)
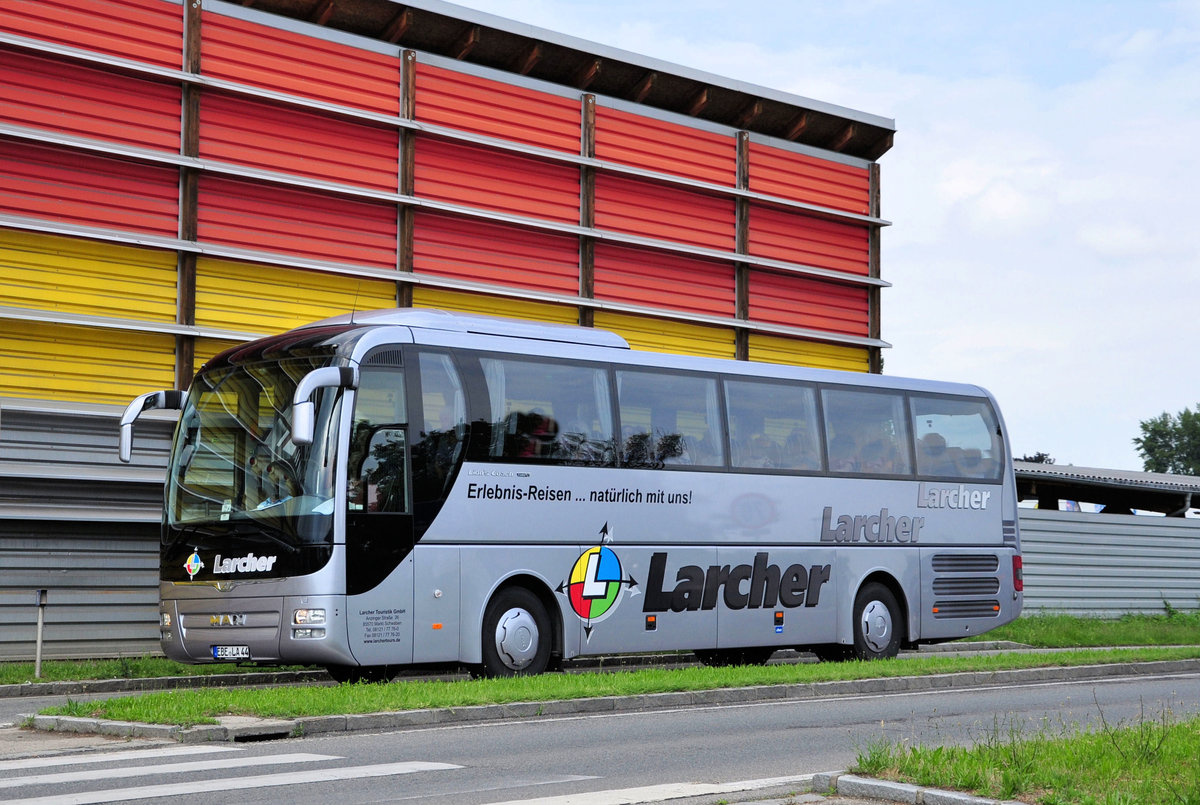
(583, 758)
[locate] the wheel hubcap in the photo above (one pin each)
(877, 626)
(517, 638)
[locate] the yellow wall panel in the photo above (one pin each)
(443, 299)
(798, 352)
(73, 275)
(250, 297)
(207, 348)
(665, 335)
(82, 364)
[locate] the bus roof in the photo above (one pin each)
(477, 324)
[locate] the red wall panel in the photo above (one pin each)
(480, 105)
(46, 93)
(142, 30)
(62, 185)
(668, 213)
(299, 65)
(291, 140)
(495, 253)
(494, 180)
(797, 301)
(645, 142)
(807, 179)
(781, 234)
(655, 279)
(298, 222)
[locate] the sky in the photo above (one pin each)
(1041, 243)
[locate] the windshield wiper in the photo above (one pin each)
(259, 529)
(187, 530)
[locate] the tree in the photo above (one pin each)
(1039, 458)
(1171, 443)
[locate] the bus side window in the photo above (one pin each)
(867, 432)
(376, 474)
(438, 445)
(669, 420)
(772, 425)
(548, 412)
(957, 438)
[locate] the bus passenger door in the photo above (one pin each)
(379, 524)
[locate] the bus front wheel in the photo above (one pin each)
(516, 634)
(877, 623)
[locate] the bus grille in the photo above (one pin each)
(947, 563)
(984, 585)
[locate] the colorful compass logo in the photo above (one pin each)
(594, 586)
(193, 564)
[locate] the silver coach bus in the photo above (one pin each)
(415, 487)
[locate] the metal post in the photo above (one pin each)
(40, 600)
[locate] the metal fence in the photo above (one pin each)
(1107, 565)
(80, 525)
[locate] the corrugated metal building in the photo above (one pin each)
(178, 177)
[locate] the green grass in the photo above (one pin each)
(1052, 630)
(19, 673)
(1151, 761)
(202, 706)
(1042, 630)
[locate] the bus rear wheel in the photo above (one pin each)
(516, 634)
(877, 623)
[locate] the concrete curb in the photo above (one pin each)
(850, 785)
(241, 728)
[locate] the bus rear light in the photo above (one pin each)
(1018, 574)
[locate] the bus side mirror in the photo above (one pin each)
(303, 413)
(167, 400)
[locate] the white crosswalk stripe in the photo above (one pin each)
(36, 778)
(90, 775)
(110, 757)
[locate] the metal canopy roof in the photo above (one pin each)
(474, 37)
(1120, 491)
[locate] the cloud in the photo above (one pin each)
(1041, 185)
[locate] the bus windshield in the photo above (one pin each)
(234, 469)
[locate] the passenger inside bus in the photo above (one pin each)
(932, 457)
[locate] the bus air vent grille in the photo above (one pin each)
(948, 563)
(966, 586)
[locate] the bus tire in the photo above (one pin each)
(720, 657)
(516, 634)
(877, 623)
(349, 674)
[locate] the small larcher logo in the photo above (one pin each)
(193, 564)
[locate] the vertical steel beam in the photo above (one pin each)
(406, 222)
(189, 197)
(587, 211)
(741, 271)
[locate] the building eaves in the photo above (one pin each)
(474, 37)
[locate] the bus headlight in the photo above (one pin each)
(308, 617)
(312, 634)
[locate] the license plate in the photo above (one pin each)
(231, 652)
